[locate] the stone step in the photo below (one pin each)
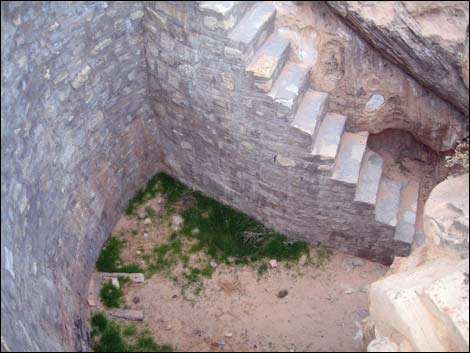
(290, 86)
(348, 161)
(310, 113)
(388, 201)
(252, 30)
(406, 226)
(223, 15)
(329, 136)
(269, 61)
(369, 178)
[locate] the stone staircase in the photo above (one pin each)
(343, 155)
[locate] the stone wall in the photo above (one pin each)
(221, 136)
(76, 143)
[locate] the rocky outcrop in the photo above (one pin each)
(424, 309)
(422, 305)
(363, 85)
(446, 218)
(424, 38)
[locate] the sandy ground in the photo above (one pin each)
(239, 312)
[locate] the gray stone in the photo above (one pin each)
(327, 141)
(406, 226)
(348, 161)
(290, 86)
(369, 178)
(375, 101)
(132, 315)
(249, 30)
(388, 201)
(268, 62)
(311, 111)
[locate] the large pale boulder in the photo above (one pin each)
(446, 215)
(425, 309)
(424, 38)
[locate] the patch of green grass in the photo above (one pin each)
(111, 296)
(146, 343)
(111, 340)
(165, 256)
(227, 233)
(129, 331)
(99, 322)
(110, 255)
(108, 337)
(171, 188)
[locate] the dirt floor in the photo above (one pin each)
(240, 310)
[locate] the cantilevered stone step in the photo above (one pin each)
(268, 62)
(222, 14)
(388, 202)
(405, 229)
(349, 158)
(290, 86)
(329, 136)
(369, 178)
(311, 111)
(253, 28)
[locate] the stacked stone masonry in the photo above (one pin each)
(99, 96)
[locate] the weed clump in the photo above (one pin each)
(107, 338)
(111, 296)
(109, 258)
(228, 235)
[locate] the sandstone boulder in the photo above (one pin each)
(446, 215)
(424, 309)
(424, 38)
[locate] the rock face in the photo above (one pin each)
(422, 305)
(424, 38)
(424, 309)
(362, 84)
(446, 215)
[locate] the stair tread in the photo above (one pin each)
(269, 57)
(369, 178)
(388, 201)
(290, 84)
(252, 23)
(329, 136)
(348, 161)
(405, 229)
(311, 111)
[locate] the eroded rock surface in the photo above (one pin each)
(363, 85)
(446, 215)
(424, 38)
